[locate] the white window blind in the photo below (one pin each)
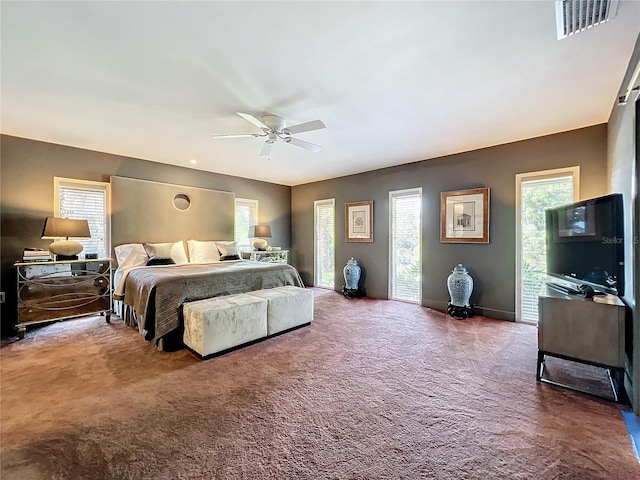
(405, 259)
(246, 215)
(86, 200)
(324, 226)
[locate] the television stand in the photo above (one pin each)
(584, 330)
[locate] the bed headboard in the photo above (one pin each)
(146, 211)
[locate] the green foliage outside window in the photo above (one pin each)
(536, 198)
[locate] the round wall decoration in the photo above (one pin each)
(181, 201)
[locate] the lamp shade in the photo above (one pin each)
(259, 231)
(65, 227)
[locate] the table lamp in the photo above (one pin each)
(68, 228)
(259, 233)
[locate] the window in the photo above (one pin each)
(536, 192)
(405, 245)
(86, 200)
(324, 241)
(246, 215)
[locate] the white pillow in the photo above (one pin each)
(228, 250)
(131, 255)
(175, 251)
(179, 254)
(203, 252)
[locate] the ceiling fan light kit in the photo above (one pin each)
(273, 128)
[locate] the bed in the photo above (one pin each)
(153, 296)
(197, 226)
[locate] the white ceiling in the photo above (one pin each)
(395, 82)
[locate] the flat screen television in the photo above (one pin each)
(585, 243)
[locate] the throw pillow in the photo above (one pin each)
(228, 249)
(158, 250)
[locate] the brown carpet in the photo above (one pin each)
(373, 389)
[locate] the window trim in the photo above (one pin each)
(399, 193)
(62, 182)
(316, 203)
(521, 178)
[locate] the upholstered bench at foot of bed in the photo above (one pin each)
(221, 323)
(288, 307)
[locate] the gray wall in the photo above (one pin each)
(27, 169)
(623, 168)
(492, 266)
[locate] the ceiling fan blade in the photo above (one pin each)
(304, 127)
(266, 148)
(253, 120)
(239, 135)
(312, 147)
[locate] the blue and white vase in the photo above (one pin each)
(460, 285)
(352, 273)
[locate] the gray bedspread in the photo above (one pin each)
(157, 293)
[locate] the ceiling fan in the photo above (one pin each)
(273, 128)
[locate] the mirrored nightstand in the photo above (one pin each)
(49, 291)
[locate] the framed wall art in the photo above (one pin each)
(464, 216)
(359, 221)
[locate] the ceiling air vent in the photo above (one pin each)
(573, 16)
